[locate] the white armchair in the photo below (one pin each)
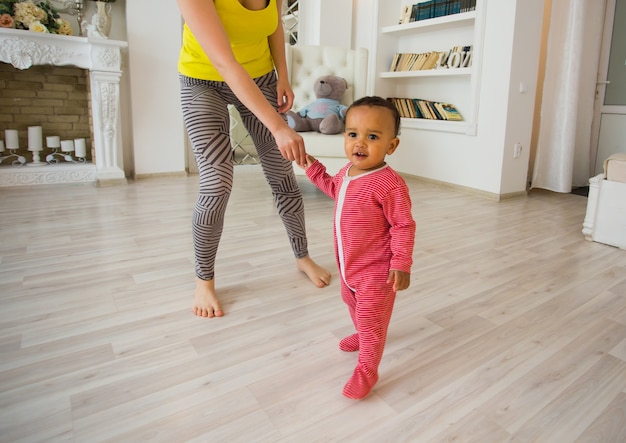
(305, 64)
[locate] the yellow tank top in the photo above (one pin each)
(247, 31)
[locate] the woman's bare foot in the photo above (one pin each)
(205, 303)
(318, 275)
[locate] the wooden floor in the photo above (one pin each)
(513, 330)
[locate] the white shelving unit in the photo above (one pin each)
(459, 86)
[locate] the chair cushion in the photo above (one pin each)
(322, 145)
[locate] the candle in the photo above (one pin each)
(1, 145)
(35, 138)
(67, 145)
(81, 148)
(11, 138)
(53, 141)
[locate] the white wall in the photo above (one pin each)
(154, 40)
(526, 47)
(153, 134)
(328, 22)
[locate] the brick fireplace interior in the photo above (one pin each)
(53, 97)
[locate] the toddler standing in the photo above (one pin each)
(374, 232)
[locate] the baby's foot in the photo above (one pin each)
(360, 384)
(318, 275)
(350, 343)
(206, 303)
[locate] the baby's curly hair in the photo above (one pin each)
(374, 100)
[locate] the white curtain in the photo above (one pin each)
(562, 157)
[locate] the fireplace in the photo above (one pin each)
(102, 58)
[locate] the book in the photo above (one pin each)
(406, 14)
(394, 62)
(416, 108)
(426, 109)
(409, 106)
(397, 104)
(433, 110)
(468, 5)
(451, 112)
(414, 12)
(431, 60)
(453, 7)
(425, 10)
(403, 63)
(411, 61)
(440, 8)
(440, 112)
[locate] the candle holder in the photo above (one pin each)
(71, 7)
(19, 159)
(67, 148)
(79, 7)
(51, 158)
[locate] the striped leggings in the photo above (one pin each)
(204, 105)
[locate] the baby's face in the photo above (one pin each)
(369, 137)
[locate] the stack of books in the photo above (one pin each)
(435, 8)
(414, 62)
(457, 57)
(431, 110)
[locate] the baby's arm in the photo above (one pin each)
(400, 279)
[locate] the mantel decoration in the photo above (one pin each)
(31, 16)
(101, 21)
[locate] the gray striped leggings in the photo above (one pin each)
(204, 105)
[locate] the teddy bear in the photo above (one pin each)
(326, 113)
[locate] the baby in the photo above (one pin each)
(374, 232)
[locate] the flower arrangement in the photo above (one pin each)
(40, 17)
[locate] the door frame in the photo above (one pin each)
(599, 108)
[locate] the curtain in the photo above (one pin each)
(562, 158)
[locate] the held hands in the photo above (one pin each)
(291, 145)
(400, 279)
(309, 161)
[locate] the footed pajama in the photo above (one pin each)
(374, 233)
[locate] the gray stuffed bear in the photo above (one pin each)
(325, 114)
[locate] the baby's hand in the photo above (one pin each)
(401, 280)
(309, 161)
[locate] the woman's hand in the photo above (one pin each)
(291, 145)
(285, 95)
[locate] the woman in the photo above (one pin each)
(233, 52)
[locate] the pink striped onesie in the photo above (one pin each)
(374, 233)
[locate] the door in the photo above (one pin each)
(609, 121)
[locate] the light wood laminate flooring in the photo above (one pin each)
(513, 329)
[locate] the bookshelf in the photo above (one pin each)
(459, 86)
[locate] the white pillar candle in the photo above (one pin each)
(67, 145)
(11, 138)
(1, 145)
(81, 147)
(35, 138)
(53, 141)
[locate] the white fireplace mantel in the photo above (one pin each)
(102, 57)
